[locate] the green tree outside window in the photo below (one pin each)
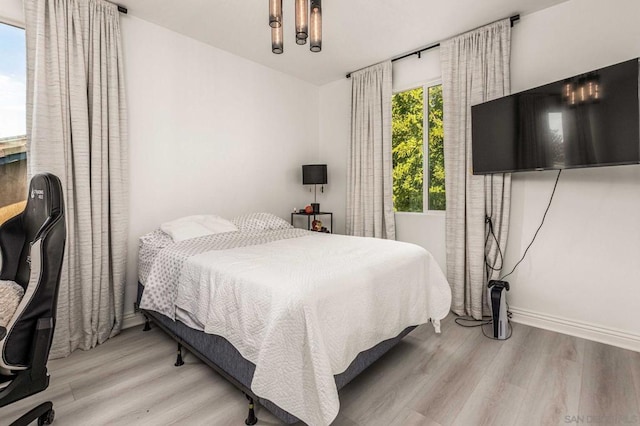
(408, 150)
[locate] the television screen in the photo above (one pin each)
(592, 119)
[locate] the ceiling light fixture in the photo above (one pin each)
(308, 24)
(302, 21)
(275, 13)
(316, 26)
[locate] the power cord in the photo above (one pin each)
(490, 232)
(488, 219)
(539, 227)
(470, 322)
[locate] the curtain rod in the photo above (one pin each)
(513, 19)
(121, 9)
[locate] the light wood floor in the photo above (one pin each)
(457, 378)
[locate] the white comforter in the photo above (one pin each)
(303, 307)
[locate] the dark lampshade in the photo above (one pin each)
(314, 174)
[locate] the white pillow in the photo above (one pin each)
(196, 226)
(11, 294)
(260, 222)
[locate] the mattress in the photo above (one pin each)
(298, 305)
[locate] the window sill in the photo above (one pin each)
(438, 213)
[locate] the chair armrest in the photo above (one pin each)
(3, 332)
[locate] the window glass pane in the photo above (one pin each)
(408, 150)
(436, 150)
(13, 152)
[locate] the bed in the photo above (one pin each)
(289, 316)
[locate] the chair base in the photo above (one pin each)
(43, 413)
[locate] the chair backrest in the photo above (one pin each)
(32, 248)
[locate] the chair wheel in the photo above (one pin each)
(47, 418)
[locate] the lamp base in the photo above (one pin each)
(315, 207)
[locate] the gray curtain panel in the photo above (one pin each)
(370, 172)
(77, 129)
(475, 69)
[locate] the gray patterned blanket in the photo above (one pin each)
(161, 279)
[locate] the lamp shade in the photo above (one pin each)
(276, 40)
(314, 174)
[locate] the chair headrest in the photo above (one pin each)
(44, 203)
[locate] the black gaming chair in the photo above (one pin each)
(31, 250)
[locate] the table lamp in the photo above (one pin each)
(315, 174)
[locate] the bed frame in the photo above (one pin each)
(224, 358)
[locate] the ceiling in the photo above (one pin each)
(356, 33)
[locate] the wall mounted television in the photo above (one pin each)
(589, 120)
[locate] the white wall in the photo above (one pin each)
(581, 276)
(11, 12)
(335, 113)
(583, 272)
(210, 132)
(425, 229)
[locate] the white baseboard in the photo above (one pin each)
(610, 336)
(132, 319)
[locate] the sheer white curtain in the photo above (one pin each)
(369, 177)
(475, 69)
(77, 129)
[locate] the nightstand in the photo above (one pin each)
(314, 215)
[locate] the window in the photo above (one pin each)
(13, 141)
(418, 156)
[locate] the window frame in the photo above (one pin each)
(13, 23)
(20, 25)
(425, 144)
